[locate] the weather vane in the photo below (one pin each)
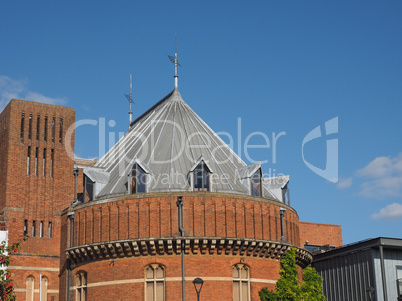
(130, 100)
(175, 61)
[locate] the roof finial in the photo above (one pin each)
(176, 64)
(130, 100)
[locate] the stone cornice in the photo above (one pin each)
(191, 245)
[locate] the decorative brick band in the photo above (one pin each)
(168, 279)
(193, 245)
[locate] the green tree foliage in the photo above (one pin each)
(6, 283)
(288, 287)
(311, 288)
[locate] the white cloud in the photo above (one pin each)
(393, 211)
(344, 183)
(384, 177)
(11, 88)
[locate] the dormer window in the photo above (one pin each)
(285, 194)
(255, 181)
(201, 178)
(88, 189)
(139, 179)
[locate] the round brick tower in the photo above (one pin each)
(171, 202)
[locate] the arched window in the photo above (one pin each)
(154, 282)
(139, 179)
(256, 183)
(44, 282)
(81, 286)
(30, 288)
(241, 282)
(201, 177)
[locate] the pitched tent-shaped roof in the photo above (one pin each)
(170, 138)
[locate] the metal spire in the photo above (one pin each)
(176, 64)
(130, 100)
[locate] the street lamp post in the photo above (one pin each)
(198, 282)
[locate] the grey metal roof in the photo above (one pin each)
(248, 171)
(169, 139)
(97, 175)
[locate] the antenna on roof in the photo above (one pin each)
(130, 100)
(176, 63)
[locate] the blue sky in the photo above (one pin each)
(280, 66)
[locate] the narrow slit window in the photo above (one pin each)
(33, 228)
(53, 128)
(44, 162)
(49, 230)
(30, 127)
(22, 126)
(61, 130)
(26, 227)
(45, 130)
(37, 128)
(36, 161)
(201, 178)
(41, 229)
(28, 160)
(51, 163)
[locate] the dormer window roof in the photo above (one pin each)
(200, 176)
(138, 178)
(251, 177)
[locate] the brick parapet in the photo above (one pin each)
(320, 234)
(203, 216)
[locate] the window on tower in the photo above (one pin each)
(201, 177)
(29, 295)
(28, 160)
(45, 130)
(22, 126)
(241, 282)
(139, 179)
(37, 127)
(44, 162)
(81, 286)
(36, 161)
(255, 181)
(53, 128)
(30, 127)
(154, 282)
(61, 130)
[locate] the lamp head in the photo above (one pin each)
(198, 282)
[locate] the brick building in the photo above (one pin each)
(168, 203)
(35, 187)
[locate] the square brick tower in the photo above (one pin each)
(36, 184)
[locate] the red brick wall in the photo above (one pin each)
(156, 215)
(320, 234)
(203, 216)
(208, 267)
(39, 198)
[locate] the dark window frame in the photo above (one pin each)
(201, 178)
